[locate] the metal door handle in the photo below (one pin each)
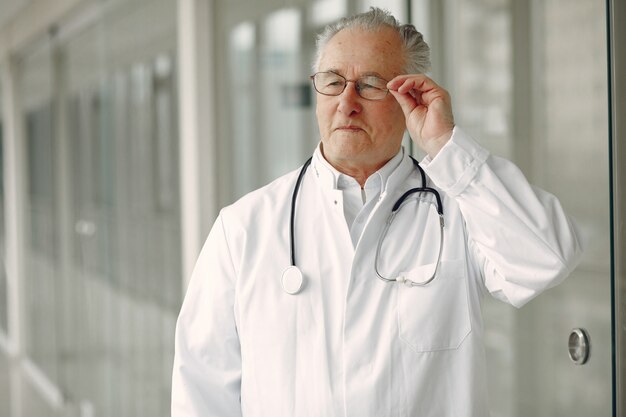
(579, 346)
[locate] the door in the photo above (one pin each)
(529, 81)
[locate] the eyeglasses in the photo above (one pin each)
(370, 87)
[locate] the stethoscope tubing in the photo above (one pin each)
(397, 205)
(292, 220)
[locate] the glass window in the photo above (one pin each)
(243, 70)
(269, 125)
(42, 255)
(285, 91)
(104, 262)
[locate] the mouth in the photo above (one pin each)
(348, 128)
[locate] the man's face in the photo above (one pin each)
(360, 134)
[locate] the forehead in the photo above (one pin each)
(356, 51)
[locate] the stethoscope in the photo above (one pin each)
(292, 278)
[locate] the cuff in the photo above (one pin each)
(456, 164)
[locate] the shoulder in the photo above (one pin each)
(274, 197)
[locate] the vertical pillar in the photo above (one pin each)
(15, 189)
(198, 142)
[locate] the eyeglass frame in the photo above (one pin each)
(356, 85)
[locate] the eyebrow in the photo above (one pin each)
(365, 74)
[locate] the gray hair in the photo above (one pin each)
(416, 50)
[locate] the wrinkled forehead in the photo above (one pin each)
(355, 51)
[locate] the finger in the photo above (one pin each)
(434, 95)
(410, 85)
(410, 93)
(401, 79)
(419, 84)
(426, 93)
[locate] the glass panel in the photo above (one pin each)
(283, 90)
(268, 70)
(483, 89)
(571, 160)
(126, 211)
(528, 80)
(104, 284)
(42, 256)
(243, 70)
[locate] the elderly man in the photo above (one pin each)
(310, 299)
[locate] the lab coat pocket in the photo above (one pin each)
(435, 316)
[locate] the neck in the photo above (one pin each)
(356, 169)
(359, 166)
(358, 172)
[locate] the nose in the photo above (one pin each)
(349, 100)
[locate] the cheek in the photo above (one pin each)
(396, 112)
(393, 118)
(323, 114)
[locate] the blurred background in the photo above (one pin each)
(126, 124)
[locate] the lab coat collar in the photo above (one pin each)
(331, 179)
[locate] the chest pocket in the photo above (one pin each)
(436, 316)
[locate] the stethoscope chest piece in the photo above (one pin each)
(292, 280)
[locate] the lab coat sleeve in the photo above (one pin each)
(206, 377)
(520, 237)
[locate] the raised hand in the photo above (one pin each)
(427, 109)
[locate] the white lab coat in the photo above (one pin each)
(350, 344)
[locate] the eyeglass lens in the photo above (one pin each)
(369, 87)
